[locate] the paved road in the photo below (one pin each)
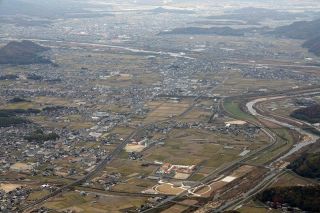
(210, 177)
(270, 176)
(252, 192)
(273, 173)
(217, 173)
(102, 164)
(313, 138)
(92, 173)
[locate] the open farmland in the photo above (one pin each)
(157, 106)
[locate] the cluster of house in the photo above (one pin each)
(283, 207)
(12, 198)
(151, 202)
(135, 155)
(269, 73)
(55, 154)
(56, 111)
(231, 127)
(107, 181)
(304, 101)
(239, 127)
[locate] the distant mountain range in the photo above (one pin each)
(225, 31)
(221, 31)
(175, 11)
(23, 53)
(52, 9)
(313, 45)
(254, 15)
(306, 30)
(299, 30)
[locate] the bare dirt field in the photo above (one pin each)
(9, 187)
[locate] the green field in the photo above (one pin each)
(234, 109)
(90, 203)
(284, 143)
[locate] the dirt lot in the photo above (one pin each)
(9, 187)
(169, 189)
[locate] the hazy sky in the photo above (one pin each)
(56, 8)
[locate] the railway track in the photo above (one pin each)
(273, 174)
(270, 176)
(101, 165)
(206, 180)
(215, 174)
(87, 177)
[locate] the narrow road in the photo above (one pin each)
(92, 173)
(269, 177)
(252, 192)
(273, 172)
(101, 165)
(216, 173)
(313, 138)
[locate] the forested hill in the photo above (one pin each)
(299, 30)
(313, 45)
(310, 114)
(306, 30)
(21, 53)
